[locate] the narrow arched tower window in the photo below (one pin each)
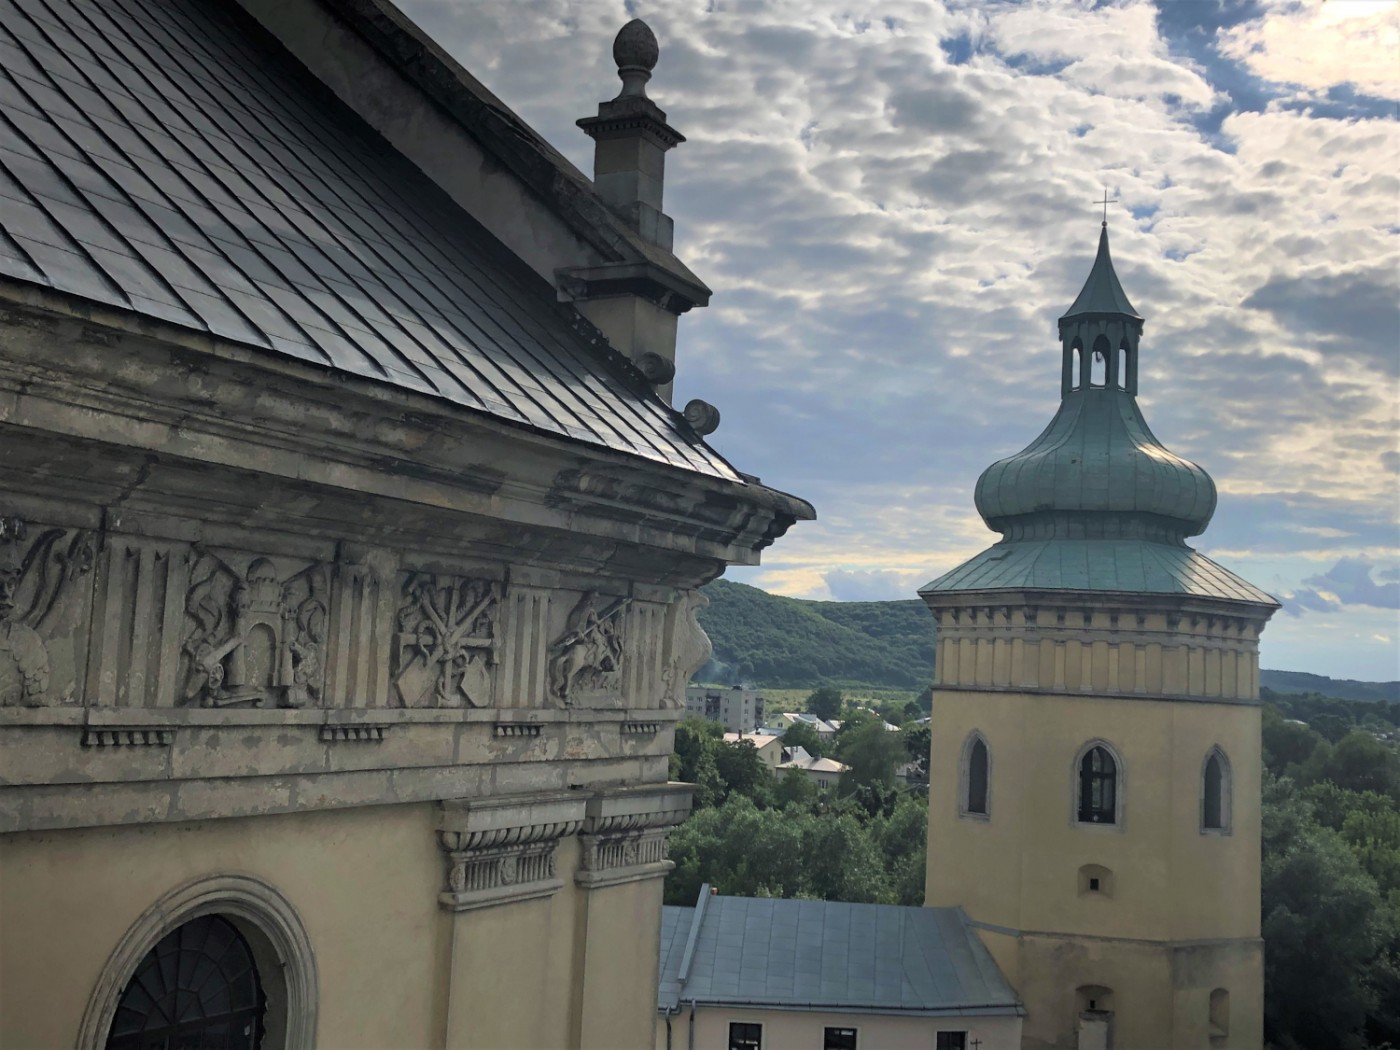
(1215, 792)
(977, 777)
(1098, 787)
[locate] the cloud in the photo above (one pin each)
(893, 211)
(1319, 46)
(872, 586)
(1348, 582)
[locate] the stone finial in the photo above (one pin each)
(635, 51)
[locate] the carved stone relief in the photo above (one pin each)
(445, 646)
(585, 661)
(41, 610)
(687, 647)
(254, 633)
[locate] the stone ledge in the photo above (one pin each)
(126, 736)
(624, 833)
(139, 717)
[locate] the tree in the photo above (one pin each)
(917, 740)
(903, 838)
(801, 734)
(743, 771)
(825, 703)
(1360, 762)
(794, 788)
(872, 752)
(1322, 914)
(843, 861)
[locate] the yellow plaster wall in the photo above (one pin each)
(395, 969)
(364, 882)
(1020, 867)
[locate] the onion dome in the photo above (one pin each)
(1097, 471)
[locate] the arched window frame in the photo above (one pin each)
(281, 949)
(1227, 793)
(1120, 779)
(965, 778)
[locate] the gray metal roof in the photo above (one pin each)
(1102, 293)
(1122, 566)
(166, 157)
(828, 955)
(1098, 456)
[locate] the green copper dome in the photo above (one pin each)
(1097, 471)
(1096, 502)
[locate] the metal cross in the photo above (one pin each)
(1106, 202)
(975, 1041)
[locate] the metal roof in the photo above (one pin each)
(1123, 566)
(167, 158)
(1102, 293)
(828, 955)
(1098, 455)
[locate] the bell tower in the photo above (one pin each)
(1095, 772)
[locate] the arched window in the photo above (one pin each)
(975, 777)
(1122, 373)
(1219, 1014)
(198, 986)
(1098, 364)
(1098, 795)
(1215, 792)
(1080, 365)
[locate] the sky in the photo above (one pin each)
(893, 202)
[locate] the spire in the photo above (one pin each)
(1102, 293)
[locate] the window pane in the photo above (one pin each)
(1213, 809)
(977, 778)
(839, 1039)
(743, 1036)
(951, 1041)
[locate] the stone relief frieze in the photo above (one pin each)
(40, 571)
(585, 661)
(255, 634)
(444, 650)
(688, 647)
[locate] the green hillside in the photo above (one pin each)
(794, 644)
(789, 643)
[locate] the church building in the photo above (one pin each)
(349, 542)
(1094, 804)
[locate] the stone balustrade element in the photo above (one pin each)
(624, 833)
(502, 850)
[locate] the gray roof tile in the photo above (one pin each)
(163, 156)
(844, 956)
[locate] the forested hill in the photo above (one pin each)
(790, 643)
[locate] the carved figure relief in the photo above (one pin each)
(33, 582)
(254, 636)
(587, 658)
(688, 647)
(445, 645)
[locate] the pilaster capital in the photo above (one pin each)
(501, 850)
(624, 833)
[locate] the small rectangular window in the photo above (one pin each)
(1094, 885)
(951, 1041)
(839, 1039)
(745, 1036)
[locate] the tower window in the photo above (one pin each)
(1098, 362)
(974, 775)
(1219, 1014)
(1215, 792)
(1098, 787)
(1095, 881)
(1122, 376)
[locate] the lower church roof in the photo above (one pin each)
(829, 956)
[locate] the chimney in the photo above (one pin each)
(636, 306)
